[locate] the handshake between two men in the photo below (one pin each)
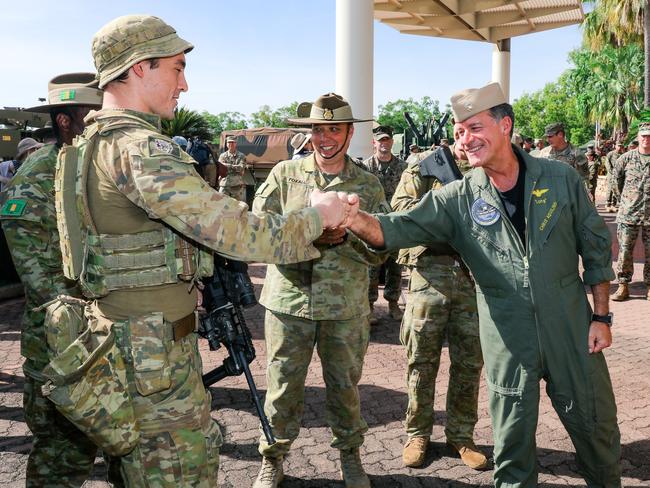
(337, 211)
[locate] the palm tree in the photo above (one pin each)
(187, 123)
(619, 23)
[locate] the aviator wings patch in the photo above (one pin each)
(538, 193)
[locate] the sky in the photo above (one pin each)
(250, 53)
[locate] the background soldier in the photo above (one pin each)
(440, 306)
(539, 145)
(611, 201)
(632, 174)
(320, 303)
(301, 144)
(61, 455)
(561, 150)
(593, 166)
(388, 169)
(235, 162)
(147, 212)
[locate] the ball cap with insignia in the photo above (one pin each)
(382, 132)
(644, 129)
(472, 101)
(71, 89)
(130, 39)
(327, 109)
(231, 139)
(554, 128)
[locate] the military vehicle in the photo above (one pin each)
(15, 124)
(425, 136)
(263, 148)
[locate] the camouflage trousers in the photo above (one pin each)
(61, 456)
(179, 440)
(611, 199)
(236, 192)
(341, 346)
(627, 235)
(441, 304)
(392, 273)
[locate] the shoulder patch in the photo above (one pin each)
(14, 207)
(162, 147)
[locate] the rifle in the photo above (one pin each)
(224, 295)
(441, 164)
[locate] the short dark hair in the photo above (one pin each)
(498, 112)
(153, 64)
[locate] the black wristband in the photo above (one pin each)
(605, 319)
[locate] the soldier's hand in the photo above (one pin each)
(600, 337)
(333, 207)
(331, 237)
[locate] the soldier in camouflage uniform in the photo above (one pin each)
(388, 169)
(561, 150)
(632, 174)
(61, 455)
(441, 305)
(320, 303)
(611, 201)
(235, 162)
(593, 166)
(145, 210)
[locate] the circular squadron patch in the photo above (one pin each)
(483, 213)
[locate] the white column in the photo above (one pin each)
(354, 65)
(501, 65)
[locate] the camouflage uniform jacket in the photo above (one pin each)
(139, 181)
(29, 223)
(632, 175)
(335, 286)
(574, 157)
(388, 173)
(236, 165)
(610, 161)
(412, 187)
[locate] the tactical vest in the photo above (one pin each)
(105, 262)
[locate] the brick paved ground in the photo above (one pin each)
(313, 463)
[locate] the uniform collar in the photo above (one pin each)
(109, 114)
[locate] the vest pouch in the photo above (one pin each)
(87, 383)
(150, 338)
(64, 321)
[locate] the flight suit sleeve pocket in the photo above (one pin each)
(149, 353)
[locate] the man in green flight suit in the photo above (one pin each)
(320, 303)
(61, 455)
(147, 218)
(440, 306)
(520, 223)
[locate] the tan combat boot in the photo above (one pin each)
(270, 474)
(352, 470)
(414, 451)
(470, 454)
(623, 293)
(394, 311)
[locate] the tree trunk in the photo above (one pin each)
(646, 47)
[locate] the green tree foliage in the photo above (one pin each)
(619, 23)
(608, 85)
(224, 121)
(268, 117)
(187, 123)
(556, 102)
(392, 113)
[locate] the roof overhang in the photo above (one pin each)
(477, 20)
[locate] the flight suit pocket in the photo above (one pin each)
(149, 353)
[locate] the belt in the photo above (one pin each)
(184, 327)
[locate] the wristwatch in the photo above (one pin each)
(605, 319)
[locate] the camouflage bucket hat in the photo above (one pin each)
(327, 109)
(71, 89)
(128, 40)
